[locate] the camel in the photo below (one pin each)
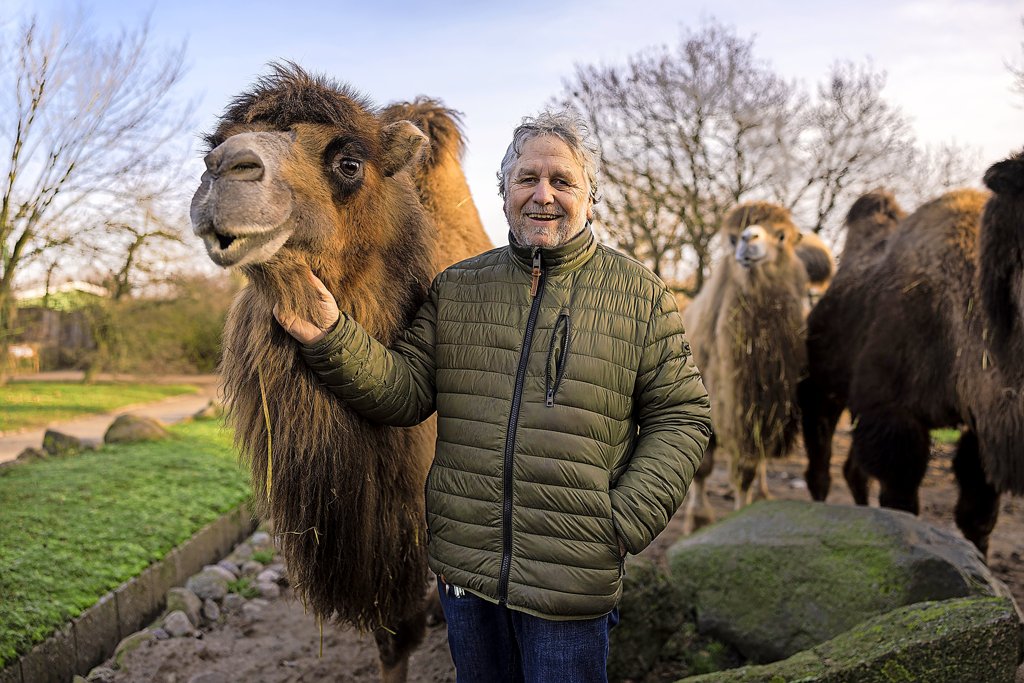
(305, 176)
(746, 327)
(825, 390)
(926, 333)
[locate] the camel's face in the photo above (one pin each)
(758, 244)
(243, 207)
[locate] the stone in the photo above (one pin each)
(183, 600)
(60, 444)
(963, 639)
(235, 570)
(241, 553)
(130, 644)
(178, 625)
(251, 568)
(252, 611)
(269, 591)
(208, 584)
(233, 602)
(227, 574)
(268, 576)
(32, 454)
(134, 428)
(782, 576)
(101, 674)
(211, 411)
(211, 612)
(160, 634)
(261, 539)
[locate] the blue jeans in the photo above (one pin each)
(493, 644)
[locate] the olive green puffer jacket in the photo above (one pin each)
(570, 415)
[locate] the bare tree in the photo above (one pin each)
(684, 134)
(87, 121)
(687, 133)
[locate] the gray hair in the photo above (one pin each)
(564, 124)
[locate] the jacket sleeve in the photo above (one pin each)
(673, 414)
(393, 386)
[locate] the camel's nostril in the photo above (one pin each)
(245, 164)
(224, 241)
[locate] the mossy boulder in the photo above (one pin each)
(782, 576)
(656, 634)
(953, 641)
(133, 428)
(60, 444)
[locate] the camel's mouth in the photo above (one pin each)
(243, 246)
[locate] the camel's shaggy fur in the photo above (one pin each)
(746, 327)
(345, 496)
(926, 335)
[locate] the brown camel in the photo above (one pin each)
(747, 330)
(926, 334)
(305, 176)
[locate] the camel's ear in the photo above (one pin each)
(402, 143)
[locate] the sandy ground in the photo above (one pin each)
(284, 645)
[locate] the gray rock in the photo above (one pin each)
(160, 634)
(260, 539)
(235, 570)
(233, 602)
(101, 674)
(241, 553)
(211, 612)
(782, 576)
(60, 444)
(129, 645)
(268, 576)
(134, 428)
(269, 590)
(184, 600)
(251, 568)
(252, 612)
(178, 625)
(227, 574)
(208, 584)
(964, 639)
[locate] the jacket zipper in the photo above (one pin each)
(560, 362)
(537, 292)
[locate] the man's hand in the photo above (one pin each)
(305, 331)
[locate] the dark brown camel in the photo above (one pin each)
(305, 176)
(923, 330)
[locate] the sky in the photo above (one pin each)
(495, 62)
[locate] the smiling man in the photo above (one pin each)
(570, 418)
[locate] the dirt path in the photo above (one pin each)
(283, 645)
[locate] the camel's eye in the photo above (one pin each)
(349, 167)
(782, 237)
(733, 239)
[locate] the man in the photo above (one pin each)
(570, 418)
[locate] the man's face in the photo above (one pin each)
(547, 201)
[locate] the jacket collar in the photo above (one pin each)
(561, 259)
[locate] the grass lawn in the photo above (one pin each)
(949, 437)
(72, 529)
(35, 404)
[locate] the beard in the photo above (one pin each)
(547, 235)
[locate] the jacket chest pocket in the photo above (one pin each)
(558, 356)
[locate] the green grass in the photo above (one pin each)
(72, 529)
(35, 404)
(949, 437)
(244, 587)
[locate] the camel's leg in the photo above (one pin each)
(743, 474)
(763, 491)
(394, 648)
(977, 508)
(892, 446)
(698, 511)
(819, 415)
(856, 480)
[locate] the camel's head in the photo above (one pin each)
(296, 164)
(760, 233)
